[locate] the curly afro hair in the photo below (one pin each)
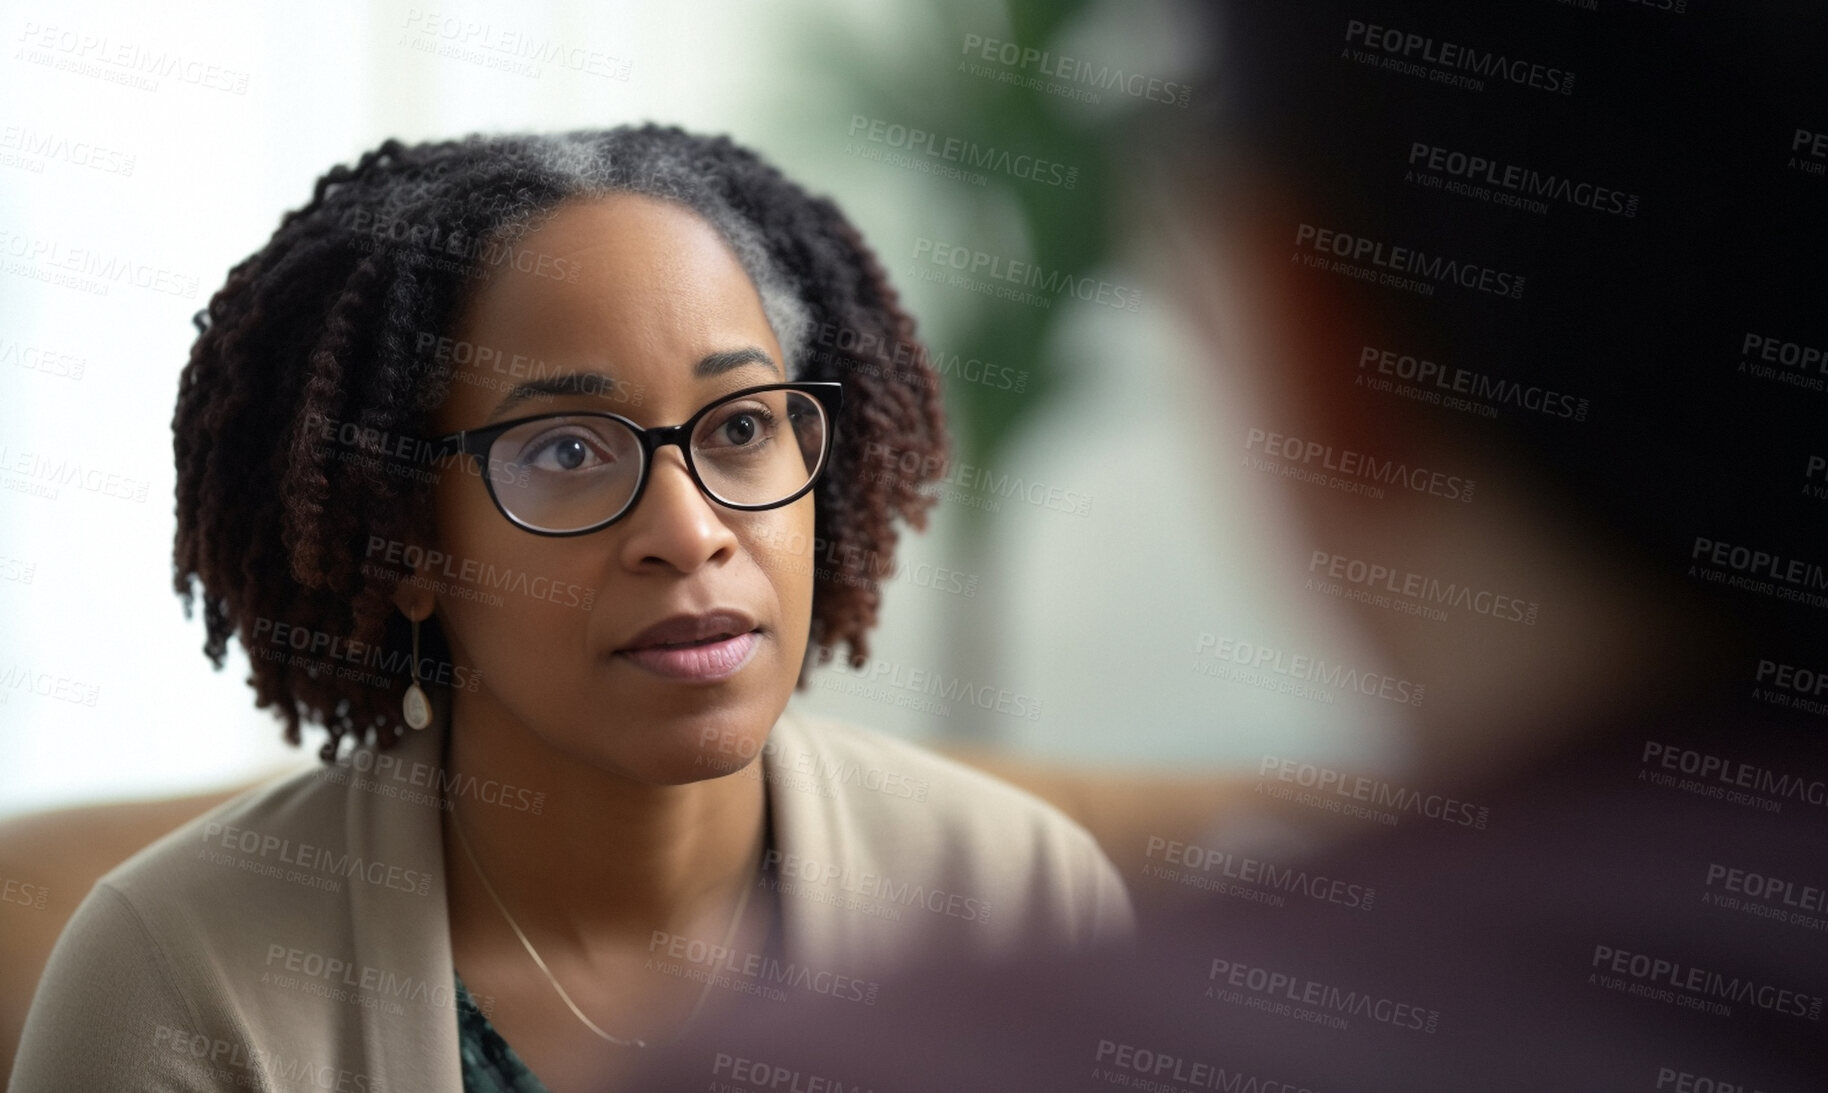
(328, 323)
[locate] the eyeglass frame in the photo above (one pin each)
(476, 443)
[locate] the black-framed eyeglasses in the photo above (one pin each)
(573, 472)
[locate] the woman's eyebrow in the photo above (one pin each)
(716, 364)
(571, 383)
(602, 383)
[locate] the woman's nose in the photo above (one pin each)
(674, 524)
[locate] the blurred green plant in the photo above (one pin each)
(927, 83)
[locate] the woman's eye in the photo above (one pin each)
(563, 452)
(741, 429)
(744, 427)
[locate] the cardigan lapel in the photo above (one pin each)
(405, 934)
(810, 825)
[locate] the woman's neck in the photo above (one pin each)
(587, 856)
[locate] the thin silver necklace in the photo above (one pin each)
(729, 935)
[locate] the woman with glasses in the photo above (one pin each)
(518, 466)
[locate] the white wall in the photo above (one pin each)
(1094, 616)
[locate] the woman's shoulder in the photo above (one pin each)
(892, 817)
(877, 771)
(185, 960)
(260, 830)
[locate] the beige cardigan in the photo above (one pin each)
(296, 936)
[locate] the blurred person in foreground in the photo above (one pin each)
(1562, 269)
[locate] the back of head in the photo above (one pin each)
(1583, 241)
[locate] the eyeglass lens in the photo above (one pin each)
(571, 472)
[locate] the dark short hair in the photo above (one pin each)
(1636, 318)
(319, 360)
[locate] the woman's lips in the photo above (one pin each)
(698, 662)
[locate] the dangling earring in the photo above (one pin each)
(415, 707)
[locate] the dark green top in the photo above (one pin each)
(489, 1064)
